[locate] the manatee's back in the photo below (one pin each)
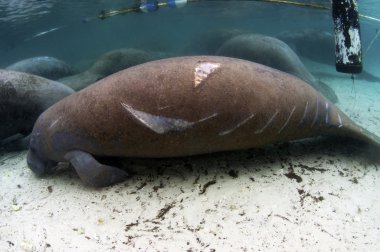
(23, 97)
(47, 67)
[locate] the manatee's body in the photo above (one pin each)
(274, 53)
(45, 66)
(107, 64)
(23, 97)
(179, 107)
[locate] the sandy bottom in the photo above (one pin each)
(319, 194)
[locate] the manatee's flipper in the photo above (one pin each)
(92, 172)
(327, 91)
(15, 143)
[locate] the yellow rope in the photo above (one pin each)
(370, 18)
(312, 5)
(316, 6)
(106, 14)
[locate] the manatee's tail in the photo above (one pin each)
(353, 130)
(372, 150)
(341, 125)
(370, 138)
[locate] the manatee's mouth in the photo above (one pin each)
(38, 165)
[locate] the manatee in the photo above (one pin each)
(305, 42)
(274, 53)
(181, 107)
(23, 97)
(107, 64)
(207, 43)
(45, 66)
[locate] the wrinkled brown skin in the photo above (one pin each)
(94, 121)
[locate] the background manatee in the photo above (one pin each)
(274, 53)
(207, 43)
(109, 63)
(23, 97)
(45, 66)
(305, 42)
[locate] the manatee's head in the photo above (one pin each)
(38, 153)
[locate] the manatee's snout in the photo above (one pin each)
(36, 159)
(36, 164)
